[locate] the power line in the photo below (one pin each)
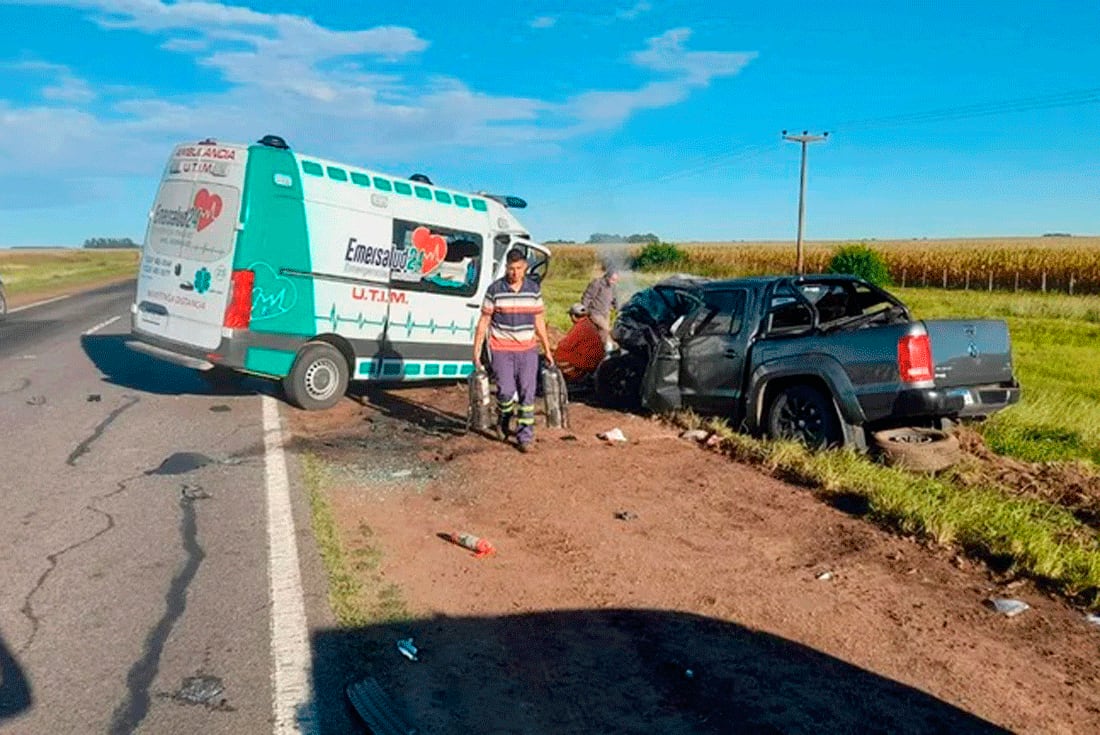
(982, 109)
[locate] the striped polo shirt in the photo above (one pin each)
(512, 327)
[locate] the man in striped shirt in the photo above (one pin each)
(514, 319)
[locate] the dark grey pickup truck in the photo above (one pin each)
(824, 359)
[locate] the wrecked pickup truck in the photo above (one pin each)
(822, 359)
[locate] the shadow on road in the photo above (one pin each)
(15, 690)
(388, 400)
(621, 671)
(122, 366)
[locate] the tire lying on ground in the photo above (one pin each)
(918, 449)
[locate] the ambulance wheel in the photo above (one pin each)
(319, 377)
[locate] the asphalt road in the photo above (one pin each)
(134, 586)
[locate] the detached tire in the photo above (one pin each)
(804, 414)
(319, 377)
(918, 449)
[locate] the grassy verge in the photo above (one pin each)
(29, 272)
(357, 593)
(1028, 537)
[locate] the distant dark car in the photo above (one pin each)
(3, 300)
(823, 359)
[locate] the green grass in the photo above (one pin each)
(1054, 342)
(38, 271)
(357, 594)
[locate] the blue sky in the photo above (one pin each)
(612, 117)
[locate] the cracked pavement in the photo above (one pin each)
(117, 583)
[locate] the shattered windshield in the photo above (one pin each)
(654, 309)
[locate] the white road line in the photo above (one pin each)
(40, 303)
(101, 325)
(290, 650)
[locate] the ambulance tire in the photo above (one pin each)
(319, 377)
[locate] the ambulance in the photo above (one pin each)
(264, 261)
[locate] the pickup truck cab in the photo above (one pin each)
(824, 359)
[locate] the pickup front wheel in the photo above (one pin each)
(805, 414)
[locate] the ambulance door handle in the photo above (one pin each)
(473, 306)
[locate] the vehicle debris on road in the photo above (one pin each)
(408, 649)
(626, 515)
(1008, 607)
(615, 435)
(695, 435)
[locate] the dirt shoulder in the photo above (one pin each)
(658, 587)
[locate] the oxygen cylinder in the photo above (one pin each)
(480, 412)
(555, 397)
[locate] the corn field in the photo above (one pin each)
(1052, 264)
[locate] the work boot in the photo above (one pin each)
(525, 447)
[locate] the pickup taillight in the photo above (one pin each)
(915, 358)
(238, 312)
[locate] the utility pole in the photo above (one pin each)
(804, 139)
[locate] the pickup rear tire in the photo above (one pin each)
(805, 414)
(319, 377)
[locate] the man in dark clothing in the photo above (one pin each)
(513, 317)
(599, 298)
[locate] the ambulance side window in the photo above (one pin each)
(435, 259)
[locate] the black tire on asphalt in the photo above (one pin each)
(319, 377)
(3, 304)
(619, 381)
(918, 449)
(805, 414)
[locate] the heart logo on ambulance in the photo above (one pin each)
(433, 249)
(209, 207)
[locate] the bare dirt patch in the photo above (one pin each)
(1072, 484)
(658, 587)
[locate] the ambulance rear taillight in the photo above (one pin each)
(238, 313)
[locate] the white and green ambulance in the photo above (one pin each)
(261, 260)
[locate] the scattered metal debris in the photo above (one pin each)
(94, 398)
(1092, 619)
(36, 401)
(1008, 607)
(569, 438)
(615, 435)
(220, 408)
(203, 690)
(626, 515)
(181, 463)
(695, 435)
(408, 649)
(194, 492)
(376, 709)
(825, 576)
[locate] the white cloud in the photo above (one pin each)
(666, 53)
(64, 86)
(543, 21)
(633, 12)
(331, 92)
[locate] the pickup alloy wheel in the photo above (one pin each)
(804, 414)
